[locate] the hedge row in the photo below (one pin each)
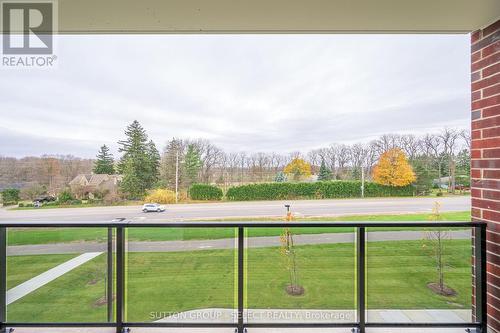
(205, 192)
(316, 190)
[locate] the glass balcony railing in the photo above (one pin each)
(351, 276)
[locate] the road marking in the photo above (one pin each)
(40, 280)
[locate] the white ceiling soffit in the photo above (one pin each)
(261, 16)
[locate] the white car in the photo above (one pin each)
(153, 207)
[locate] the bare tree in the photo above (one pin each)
(449, 139)
(410, 145)
(435, 242)
(466, 137)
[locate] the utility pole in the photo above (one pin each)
(362, 182)
(177, 176)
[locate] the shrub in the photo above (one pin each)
(76, 202)
(161, 196)
(317, 190)
(10, 196)
(21, 205)
(65, 196)
(205, 192)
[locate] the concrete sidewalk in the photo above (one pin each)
(217, 315)
(225, 243)
(39, 281)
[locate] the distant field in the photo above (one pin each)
(397, 272)
(26, 236)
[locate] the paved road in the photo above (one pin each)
(225, 243)
(242, 209)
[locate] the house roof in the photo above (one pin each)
(93, 179)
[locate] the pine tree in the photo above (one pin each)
(105, 162)
(280, 177)
(153, 162)
(131, 184)
(192, 164)
(324, 172)
(139, 163)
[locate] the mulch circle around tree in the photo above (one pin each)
(294, 290)
(447, 291)
(102, 301)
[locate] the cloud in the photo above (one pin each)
(247, 92)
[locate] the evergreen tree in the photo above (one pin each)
(192, 164)
(139, 163)
(324, 172)
(425, 175)
(153, 162)
(131, 184)
(280, 177)
(104, 163)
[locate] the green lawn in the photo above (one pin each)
(64, 235)
(70, 297)
(397, 272)
(22, 268)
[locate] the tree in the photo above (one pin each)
(139, 163)
(280, 177)
(424, 174)
(298, 168)
(153, 158)
(324, 172)
(10, 196)
(33, 191)
(192, 164)
(131, 184)
(435, 241)
(287, 251)
(393, 169)
(174, 148)
(65, 196)
(105, 162)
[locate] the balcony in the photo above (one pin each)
(243, 276)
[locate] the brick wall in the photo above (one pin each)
(485, 172)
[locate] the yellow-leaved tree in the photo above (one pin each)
(393, 169)
(298, 168)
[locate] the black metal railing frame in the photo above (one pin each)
(116, 315)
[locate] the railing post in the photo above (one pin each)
(361, 256)
(120, 278)
(241, 282)
(3, 278)
(480, 283)
(109, 293)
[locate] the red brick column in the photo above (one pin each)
(485, 172)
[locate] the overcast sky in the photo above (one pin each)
(244, 93)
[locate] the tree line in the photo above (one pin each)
(186, 161)
(432, 156)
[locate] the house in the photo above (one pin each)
(90, 185)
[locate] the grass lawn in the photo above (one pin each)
(22, 268)
(70, 297)
(65, 235)
(397, 272)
